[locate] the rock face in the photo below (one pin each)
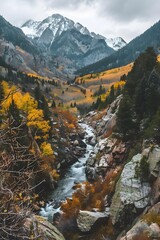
(155, 195)
(16, 36)
(38, 226)
(87, 219)
(107, 123)
(154, 162)
(143, 226)
(130, 195)
(108, 151)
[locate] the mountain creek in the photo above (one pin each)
(74, 174)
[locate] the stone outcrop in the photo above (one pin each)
(107, 153)
(87, 219)
(155, 195)
(38, 226)
(131, 195)
(145, 227)
(154, 162)
(105, 124)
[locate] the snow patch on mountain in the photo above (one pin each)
(58, 24)
(115, 43)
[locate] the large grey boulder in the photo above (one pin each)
(41, 228)
(87, 219)
(130, 194)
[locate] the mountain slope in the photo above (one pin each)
(69, 44)
(128, 53)
(79, 48)
(16, 36)
(19, 52)
(58, 24)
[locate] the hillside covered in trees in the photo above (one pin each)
(33, 142)
(128, 53)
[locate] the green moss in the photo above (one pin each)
(142, 170)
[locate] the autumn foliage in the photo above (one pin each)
(91, 195)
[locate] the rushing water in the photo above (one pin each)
(75, 174)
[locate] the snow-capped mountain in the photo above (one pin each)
(56, 24)
(69, 43)
(115, 43)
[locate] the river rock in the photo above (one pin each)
(41, 228)
(91, 140)
(130, 194)
(76, 143)
(87, 219)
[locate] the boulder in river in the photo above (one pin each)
(87, 219)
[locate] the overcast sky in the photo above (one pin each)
(111, 18)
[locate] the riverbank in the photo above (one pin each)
(73, 175)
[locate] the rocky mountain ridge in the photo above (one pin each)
(150, 38)
(58, 24)
(133, 196)
(55, 47)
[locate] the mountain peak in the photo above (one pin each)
(57, 15)
(58, 24)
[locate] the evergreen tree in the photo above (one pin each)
(53, 104)
(142, 68)
(1, 99)
(45, 108)
(111, 96)
(119, 91)
(140, 99)
(153, 99)
(38, 95)
(153, 130)
(1, 92)
(125, 124)
(14, 114)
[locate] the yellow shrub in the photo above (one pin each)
(46, 149)
(54, 174)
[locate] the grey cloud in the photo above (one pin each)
(68, 4)
(126, 18)
(129, 10)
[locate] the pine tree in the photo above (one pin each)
(140, 99)
(1, 99)
(111, 96)
(14, 114)
(125, 124)
(53, 104)
(119, 91)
